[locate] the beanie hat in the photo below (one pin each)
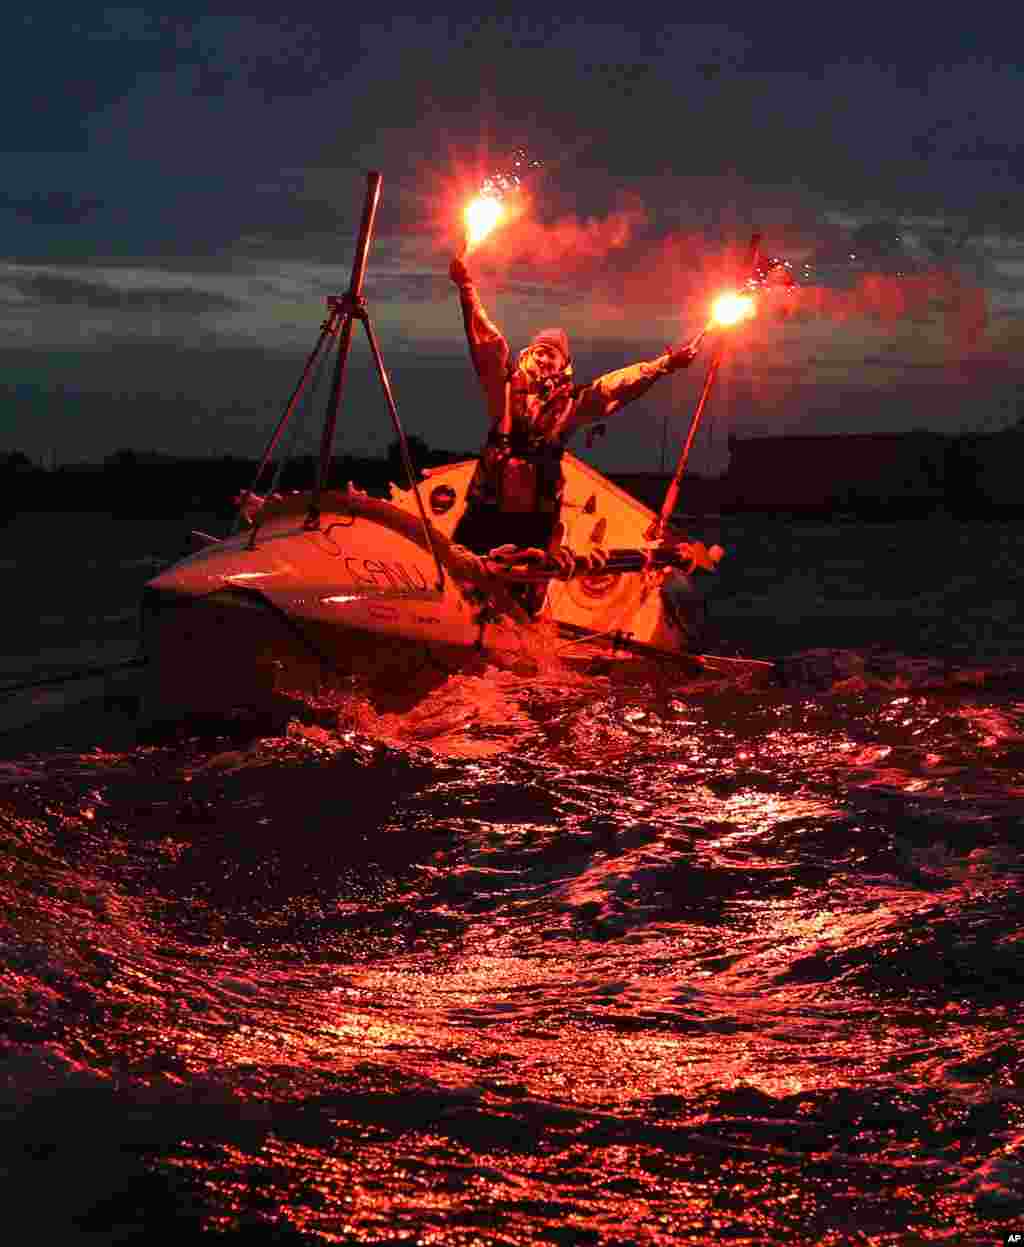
(557, 338)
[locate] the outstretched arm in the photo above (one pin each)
(605, 396)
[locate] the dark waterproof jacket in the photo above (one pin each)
(520, 467)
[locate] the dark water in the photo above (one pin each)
(554, 960)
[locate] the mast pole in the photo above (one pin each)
(348, 306)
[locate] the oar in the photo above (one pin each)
(520, 566)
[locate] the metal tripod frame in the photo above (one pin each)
(343, 310)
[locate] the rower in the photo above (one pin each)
(534, 407)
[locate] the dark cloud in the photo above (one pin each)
(58, 289)
(55, 207)
(783, 111)
(414, 287)
(64, 65)
(210, 108)
(227, 143)
(883, 361)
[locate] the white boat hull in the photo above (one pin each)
(287, 609)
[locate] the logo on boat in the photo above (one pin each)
(390, 575)
(442, 499)
(598, 586)
(384, 613)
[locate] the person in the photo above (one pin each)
(535, 406)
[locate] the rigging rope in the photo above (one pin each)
(308, 401)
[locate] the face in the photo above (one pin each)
(546, 360)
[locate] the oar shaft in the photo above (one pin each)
(619, 562)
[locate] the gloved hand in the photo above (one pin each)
(511, 553)
(249, 505)
(458, 272)
(564, 559)
(681, 356)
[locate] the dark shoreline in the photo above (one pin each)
(860, 477)
(210, 486)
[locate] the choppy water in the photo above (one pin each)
(564, 960)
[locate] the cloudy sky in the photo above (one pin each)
(183, 189)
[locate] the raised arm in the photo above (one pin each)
(607, 394)
(487, 345)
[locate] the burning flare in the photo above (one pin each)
(482, 214)
(731, 308)
(491, 205)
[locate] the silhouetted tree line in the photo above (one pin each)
(136, 483)
(978, 477)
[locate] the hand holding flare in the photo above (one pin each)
(727, 309)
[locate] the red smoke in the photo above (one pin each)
(887, 299)
(618, 269)
(569, 245)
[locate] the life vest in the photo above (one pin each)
(520, 470)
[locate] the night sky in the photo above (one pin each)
(182, 190)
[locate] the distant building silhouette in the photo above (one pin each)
(858, 472)
(699, 495)
(984, 473)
